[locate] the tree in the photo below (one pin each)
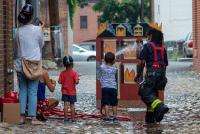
(72, 8)
(121, 11)
(82, 3)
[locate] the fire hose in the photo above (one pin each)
(13, 97)
(60, 113)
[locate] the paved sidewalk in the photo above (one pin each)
(182, 95)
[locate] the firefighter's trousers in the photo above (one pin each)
(154, 81)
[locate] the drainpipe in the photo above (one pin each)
(36, 7)
(152, 10)
(142, 11)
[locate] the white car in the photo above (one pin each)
(82, 54)
(88, 45)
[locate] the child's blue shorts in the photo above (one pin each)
(69, 98)
(109, 97)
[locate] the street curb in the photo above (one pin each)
(185, 59)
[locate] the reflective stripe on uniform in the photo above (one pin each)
(155, 103)
(150, 109)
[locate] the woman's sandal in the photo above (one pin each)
(37, 122)
(22, 121)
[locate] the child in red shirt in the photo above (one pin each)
(68, 80)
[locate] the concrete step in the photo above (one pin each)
(137, 114)
(184, 59)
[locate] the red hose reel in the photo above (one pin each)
(10, 97)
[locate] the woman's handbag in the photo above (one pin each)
(32, 69)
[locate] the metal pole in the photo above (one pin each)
(152, 10)
(16, 12)
(142, 11)
(20, 3)
(36, 7)
(18, 6)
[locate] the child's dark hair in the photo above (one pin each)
(157, 36)
(109, 58)
(68, 61)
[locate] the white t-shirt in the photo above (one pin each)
(108, 76)
(29, 40)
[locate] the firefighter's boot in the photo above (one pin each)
(160, 111)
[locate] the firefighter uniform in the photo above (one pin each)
(155, 58)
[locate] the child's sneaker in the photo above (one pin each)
(72, 120)
(66, 120)
(114, 118)
(107, 119)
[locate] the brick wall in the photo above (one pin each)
(90, 33)
(196, 33)
(44, 12)
(6, 46)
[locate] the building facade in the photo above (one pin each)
(6, 46)
(196, 33)
(55, 15)
(85, 23)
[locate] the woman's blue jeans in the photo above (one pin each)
(27, 89)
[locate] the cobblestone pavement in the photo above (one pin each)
(182, 96)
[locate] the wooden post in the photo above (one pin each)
(152, 10)
(54, 21)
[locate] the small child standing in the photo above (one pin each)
(108, 80)
(68, 80)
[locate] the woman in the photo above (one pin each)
(43, 103)
(29, 43)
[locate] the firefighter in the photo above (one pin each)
(154, 57)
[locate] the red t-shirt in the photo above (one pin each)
(67, 79)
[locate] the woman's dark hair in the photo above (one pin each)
(109, 57)
(156, 36)
(68, 61)
(26, 14)
(37, 22)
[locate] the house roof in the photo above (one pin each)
(123, 29)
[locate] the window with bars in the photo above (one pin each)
(83, 22)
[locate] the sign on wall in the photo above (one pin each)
(46, 33)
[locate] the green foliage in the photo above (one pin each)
(82, 3)
(120, 11)
(147, 10)
(72, 9)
